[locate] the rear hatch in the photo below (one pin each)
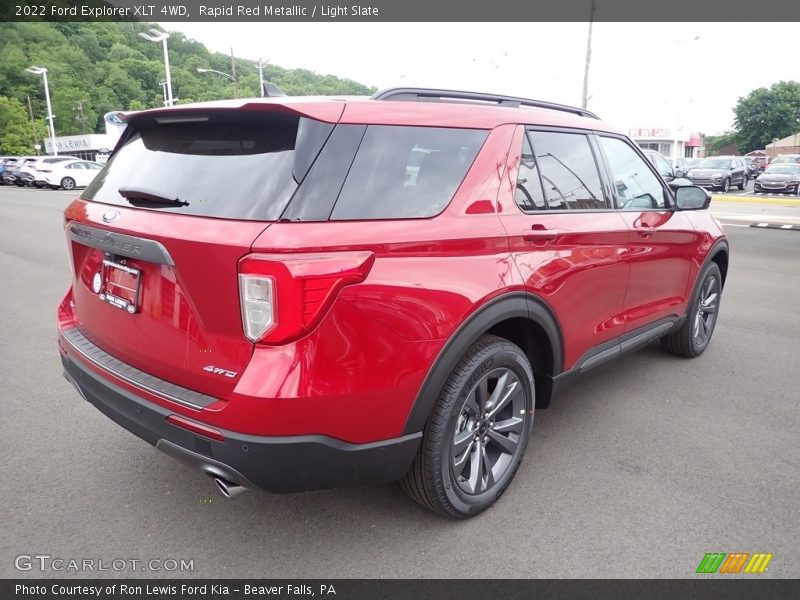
(156, 239)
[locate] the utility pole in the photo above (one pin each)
(81, 118)
(233, 72)
(33, 125)
(588, 56)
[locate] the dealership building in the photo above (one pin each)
(90, 146)
(672, 143)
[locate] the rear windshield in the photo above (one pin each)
(785, 159)
(236, 166)
(268, 166)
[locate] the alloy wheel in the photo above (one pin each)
(706, 315)
(488, 431)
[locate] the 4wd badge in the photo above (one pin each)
(220, 371)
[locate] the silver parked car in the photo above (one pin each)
(720, 173)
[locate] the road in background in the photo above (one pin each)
(638, 471)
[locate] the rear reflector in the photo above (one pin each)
(195, 427)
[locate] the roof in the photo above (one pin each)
(789, 140)
(368, 111)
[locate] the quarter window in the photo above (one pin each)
(636, 185)
(406, 172)
(569, 173)
(529, 195)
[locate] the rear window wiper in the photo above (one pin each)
(139, 196)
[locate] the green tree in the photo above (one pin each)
(766, 114)
(105, 66)
(715, 143)
(16, 134)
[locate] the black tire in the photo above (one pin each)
(726, 185)
(685, 341)
(434, 479)
(68, 183)
(745, 179)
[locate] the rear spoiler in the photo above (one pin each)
(327, 111)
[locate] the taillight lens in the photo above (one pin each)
(258, 305)
(284, 296)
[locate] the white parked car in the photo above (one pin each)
(37, 167)
(70, 175)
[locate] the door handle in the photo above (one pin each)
(645, 231)
(539, 233)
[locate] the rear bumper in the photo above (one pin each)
(275, 464)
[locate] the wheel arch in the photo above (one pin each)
(523, 319)
(719, 254)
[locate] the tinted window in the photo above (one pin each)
(636, 185)
(406, 172)
(529, 195)
(569, 173)
(229, 165)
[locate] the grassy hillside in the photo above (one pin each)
(106, 66)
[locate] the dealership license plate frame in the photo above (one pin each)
(116, 292)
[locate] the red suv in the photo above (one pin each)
(303, 293)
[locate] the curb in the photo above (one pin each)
(789, 201)
(783, 226)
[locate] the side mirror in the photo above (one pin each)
(692, 197)
(680, 173)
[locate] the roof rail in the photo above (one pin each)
(434, 95)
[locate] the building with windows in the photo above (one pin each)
(672, 143)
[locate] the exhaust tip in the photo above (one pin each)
(228, 488)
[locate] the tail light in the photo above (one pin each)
(284, 296)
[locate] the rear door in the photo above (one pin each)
(661, 240)
(156, 238)
(568, 242)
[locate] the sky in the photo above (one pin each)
(642, 75)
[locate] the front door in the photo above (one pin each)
(660, 239)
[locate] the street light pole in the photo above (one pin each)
(166, 69)
(154, 35)
(231, 78)
(43, 72)
(260, 67)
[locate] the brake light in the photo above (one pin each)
(284, 296)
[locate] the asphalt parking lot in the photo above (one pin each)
(637, 471)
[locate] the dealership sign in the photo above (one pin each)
(76, 143)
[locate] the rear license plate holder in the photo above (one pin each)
(121, 285)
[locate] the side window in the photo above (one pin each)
(406, 172)
(569, 173)
(636, 185)
(663, 167)
(529, 195)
